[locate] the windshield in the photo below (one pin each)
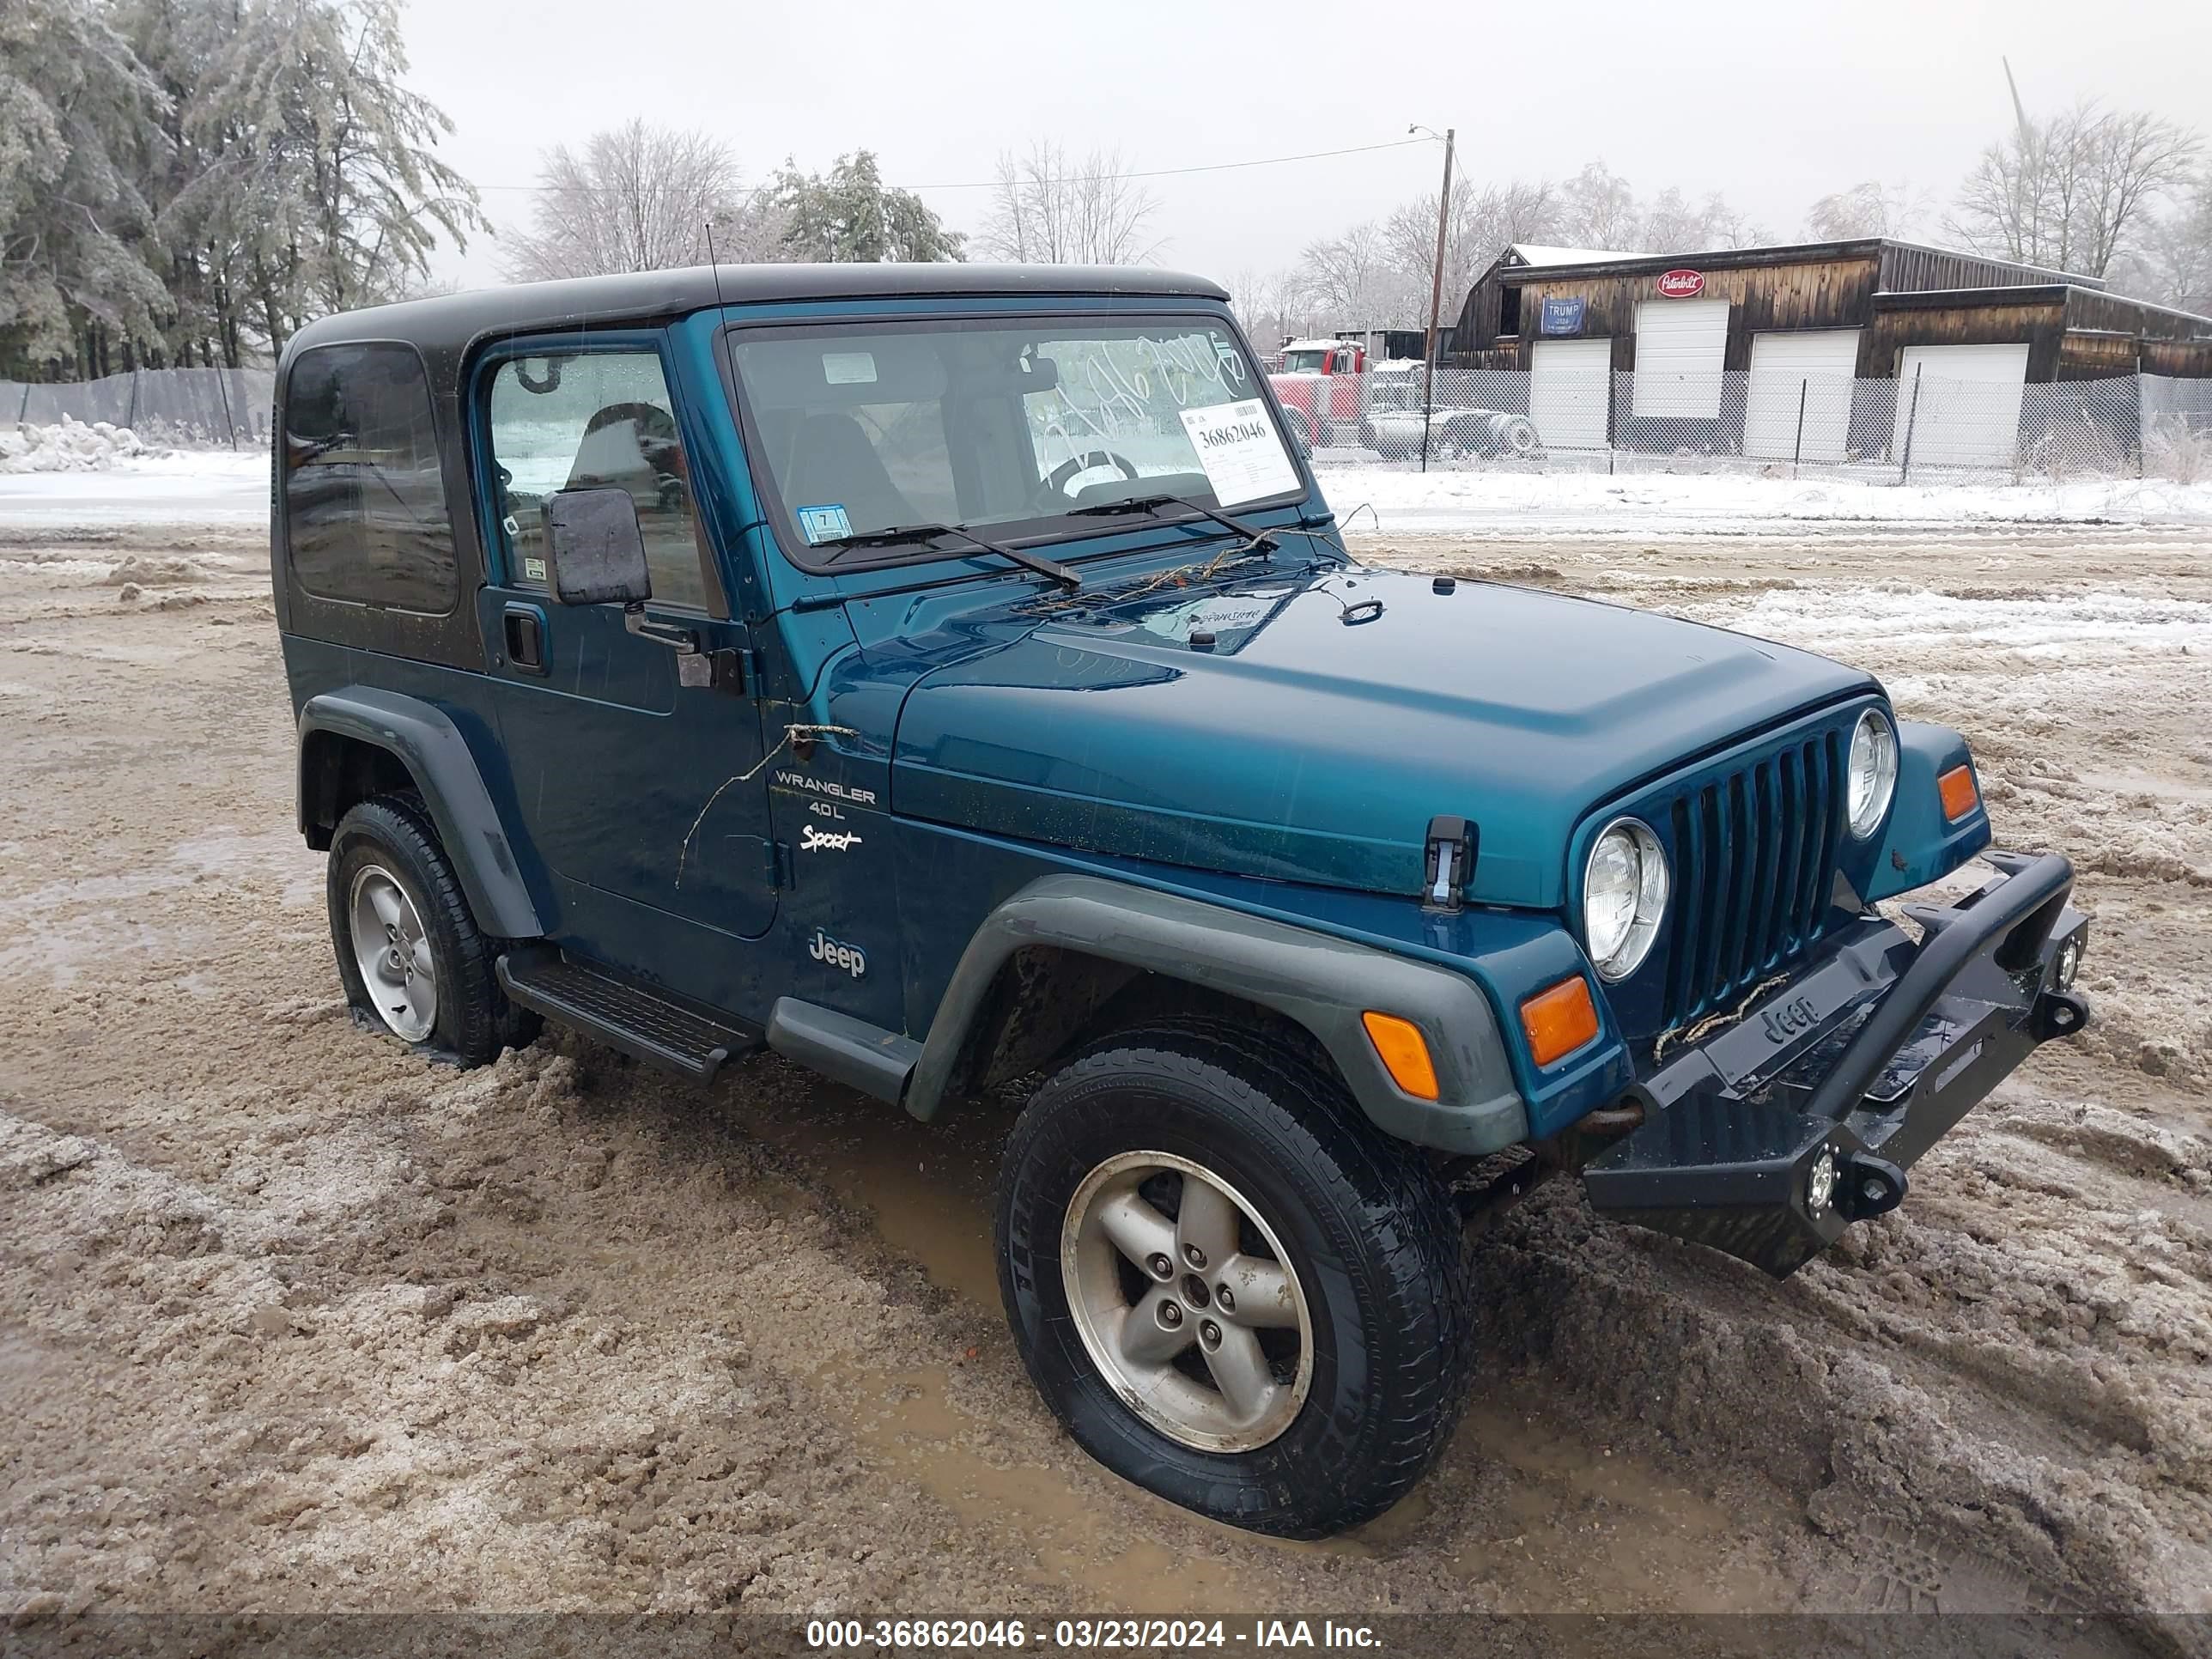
(1006, 426)
(1303, 362)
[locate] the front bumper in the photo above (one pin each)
(1770, 1137)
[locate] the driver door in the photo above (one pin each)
(633, 787)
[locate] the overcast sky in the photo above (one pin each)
(1772, 105)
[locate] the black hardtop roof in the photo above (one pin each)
(450, 322)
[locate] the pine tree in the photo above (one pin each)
(853, 217)
(78, 131)
(320, 190)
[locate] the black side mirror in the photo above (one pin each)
(595, 548)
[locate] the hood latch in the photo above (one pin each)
(1448, 863)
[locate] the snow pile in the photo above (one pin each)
(72, 447)
(1584, 504)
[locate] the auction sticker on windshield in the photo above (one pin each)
(1240, 451)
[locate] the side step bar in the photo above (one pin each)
(619, 1014)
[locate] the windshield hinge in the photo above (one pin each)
(1447, 863)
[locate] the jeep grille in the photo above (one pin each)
(1754, 854)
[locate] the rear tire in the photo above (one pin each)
(411, 958)
(1317, 1399)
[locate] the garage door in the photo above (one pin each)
(1968, 404)
(1567, 392)
(1679, 344)
(1807, 371)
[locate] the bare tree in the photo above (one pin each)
(1485, 220)
(1047, 208)
(2072, 192)
(639, 197)
(2174, 266)
(1673, 224)
(1351, 282)
(1869, 208)
(1270, 304)
(1598, 210)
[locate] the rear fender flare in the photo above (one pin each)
(423, 739)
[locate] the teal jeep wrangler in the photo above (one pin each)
(947, 676)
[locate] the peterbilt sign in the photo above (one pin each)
(1682, 284)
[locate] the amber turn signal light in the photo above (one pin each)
(1560, 1020)
(1960, 795)
(1405, 1052)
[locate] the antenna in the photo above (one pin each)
(714, 264)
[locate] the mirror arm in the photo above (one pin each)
(683, 640)
(726, 669)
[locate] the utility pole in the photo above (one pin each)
(1435, 292)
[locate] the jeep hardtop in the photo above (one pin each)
(948, 676)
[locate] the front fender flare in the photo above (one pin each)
(1323, 983)
(423, 739)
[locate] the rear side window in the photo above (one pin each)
(364, 502)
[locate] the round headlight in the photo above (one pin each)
(1623, 897)
(1872, 772)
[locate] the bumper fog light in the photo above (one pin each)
(1820, 1183)
(2069, 962)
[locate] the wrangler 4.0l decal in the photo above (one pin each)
(858, 796)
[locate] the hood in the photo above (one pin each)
(1307, 727)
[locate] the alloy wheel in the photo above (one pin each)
(1186, 1302)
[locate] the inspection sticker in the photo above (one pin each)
(1240, 451)
(823, 524)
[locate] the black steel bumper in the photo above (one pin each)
(1770, 1137)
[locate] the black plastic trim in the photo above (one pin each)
(595, 1001)
(842, 1049)
(1324, 984)
(425, 740)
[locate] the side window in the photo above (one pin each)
(364, 502)
(589, 421)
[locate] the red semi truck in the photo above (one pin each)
(1320, 386)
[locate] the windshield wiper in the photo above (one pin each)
(1254, 538)
(924, 532)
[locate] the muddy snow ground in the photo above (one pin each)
(289, 1321)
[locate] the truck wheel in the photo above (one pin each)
(1230, 1290)
(409, 954)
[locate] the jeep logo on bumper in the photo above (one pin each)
(1785, 1020)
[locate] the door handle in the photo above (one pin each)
(524, 629)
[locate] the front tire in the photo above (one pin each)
(409, 954)
(1319, 1391)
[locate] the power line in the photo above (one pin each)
(1147, 173)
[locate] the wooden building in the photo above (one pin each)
(1730, 348)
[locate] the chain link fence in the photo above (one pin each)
(182, 408)
(1923, 428)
